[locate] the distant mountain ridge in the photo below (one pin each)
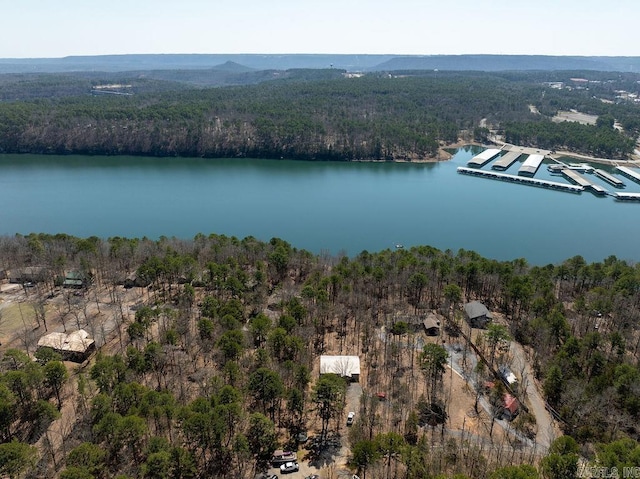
(115, 63)
(236, 62)
(510, 62)
(232, 67)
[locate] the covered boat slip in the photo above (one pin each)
(555, 185)
(507, 160)
(584, 182)
(531, 165)
(626, 196)
(629, 173)
(483, 158)
(577, 178)
(609, 178)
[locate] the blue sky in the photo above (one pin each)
(50, 28)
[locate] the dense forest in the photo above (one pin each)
(307, 114)
(208, 353)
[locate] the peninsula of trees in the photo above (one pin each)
(311, 114)
(208, 356)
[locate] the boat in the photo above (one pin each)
(580, 167)
(399, 246)
(555, 168)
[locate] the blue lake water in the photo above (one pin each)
(318, 206)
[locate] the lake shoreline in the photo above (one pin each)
(445, 153)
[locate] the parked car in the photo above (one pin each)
(289, 467)
(507, 375)
(350, 418)
(313, 476)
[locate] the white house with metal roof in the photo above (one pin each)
(345, 366)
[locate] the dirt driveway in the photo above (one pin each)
(545, 424)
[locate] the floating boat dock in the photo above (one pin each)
(559, 166)
(519, 179)
(629, 173)
(626, 196)
(507, 160)
(531, 165)
(583, 182)
(582, 167)
(609, 178)
(483, 158)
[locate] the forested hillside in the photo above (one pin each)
(208, 355)
(308, 114)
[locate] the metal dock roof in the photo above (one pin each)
(630, 173)
(483, 158)
(626, 196)
(531, 165)
(597, 189)
(609, 178)
(576, 178)
(507, 160)
(584, 182)
(519, 179)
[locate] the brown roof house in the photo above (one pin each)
(28, 274)
(477, 314)
(75, 346)
(431, 325)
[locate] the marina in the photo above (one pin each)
(555, 185)
(531, 165)
(507, 160)
(483, 158)
(576, 173)
(609, 178)
(629, 173)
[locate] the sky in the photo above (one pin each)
(59, 28)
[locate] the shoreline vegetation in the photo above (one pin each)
(444, 154)
(316, 115)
